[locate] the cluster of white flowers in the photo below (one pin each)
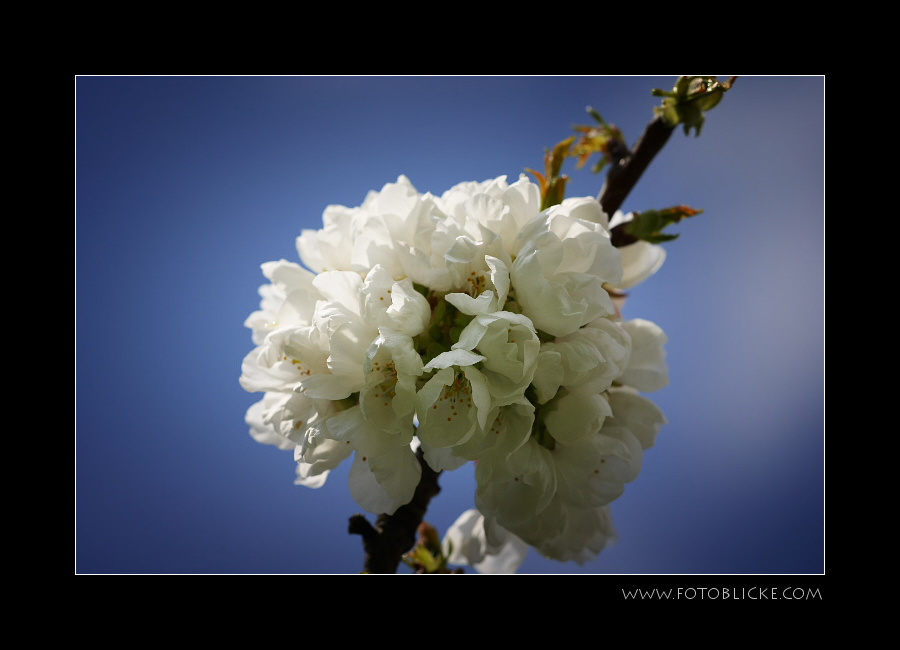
(483, 329)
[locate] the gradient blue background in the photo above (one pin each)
(185, 185)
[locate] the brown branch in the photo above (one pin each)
(627, 168)
(393, 535)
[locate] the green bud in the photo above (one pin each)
(691, 96)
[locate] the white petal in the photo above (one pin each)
(306, 479)
(342, 287)
(638, 414)
(640, 260)
(442, 459)
(646, 370)
(574, 414)
(485, 303)
(400, 480)
(459, 358)
(263, 432)
(366, 491)
(409, 312)
(466, 542)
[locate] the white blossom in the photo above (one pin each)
(480, 328)
(564, 258)
(455, 402)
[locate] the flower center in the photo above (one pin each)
(298, 364)
(475, 284)
(387, 389)
(456, 397)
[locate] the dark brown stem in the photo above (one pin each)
(393, 535)
(628, 166)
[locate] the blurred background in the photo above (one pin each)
(185, 185)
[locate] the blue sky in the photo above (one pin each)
(185, 185)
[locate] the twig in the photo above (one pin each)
(627, 168)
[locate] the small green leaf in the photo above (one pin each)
(648, 225)
(593, 113)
